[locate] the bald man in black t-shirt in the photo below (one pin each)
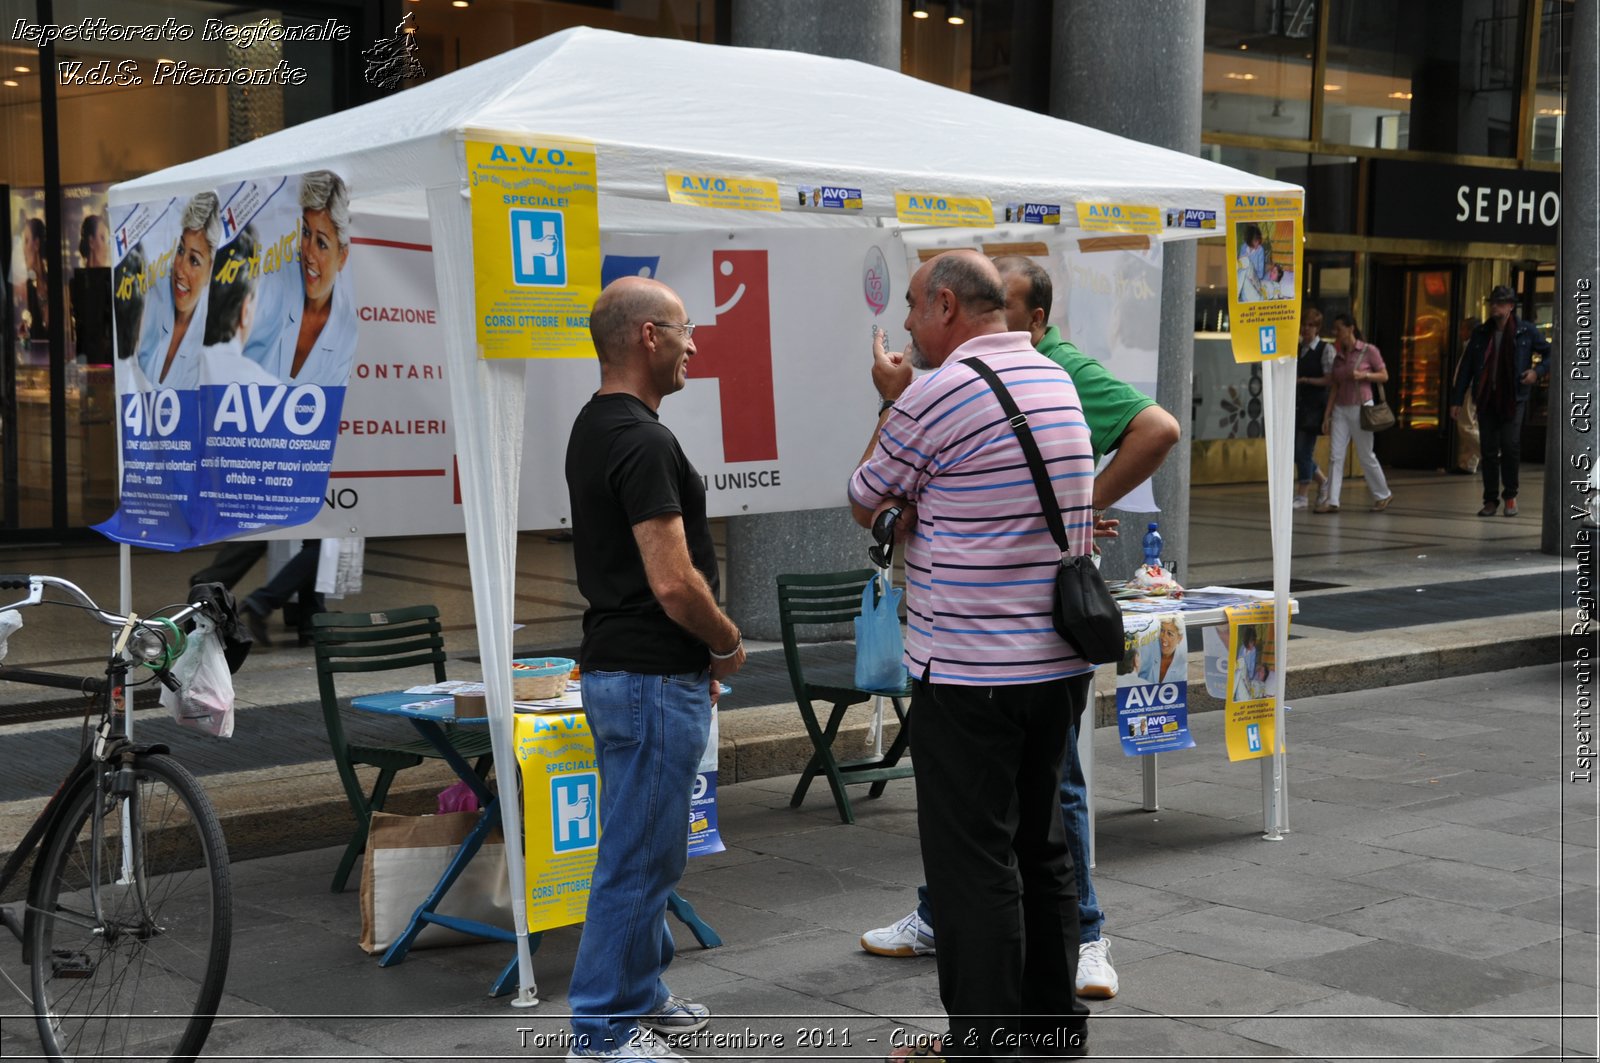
(655, 645)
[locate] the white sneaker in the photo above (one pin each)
(1300, 502)
(642, 1047)
(1097, 979)
(676, 1015)
(909, 937)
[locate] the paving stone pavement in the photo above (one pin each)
(1426, 905)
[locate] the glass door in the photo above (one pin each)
(1415, 316)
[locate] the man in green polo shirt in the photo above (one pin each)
(1126, 421)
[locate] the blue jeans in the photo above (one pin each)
(1305, 450)
(649, 733)
(1075, 816)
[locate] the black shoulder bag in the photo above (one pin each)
(1085, 614)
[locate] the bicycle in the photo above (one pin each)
(127, 924)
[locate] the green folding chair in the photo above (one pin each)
(408, 637)
(831, 598)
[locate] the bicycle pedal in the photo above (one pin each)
(65, 964)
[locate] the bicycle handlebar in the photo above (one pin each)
(36, 584)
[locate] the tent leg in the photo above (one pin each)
(1274, 800)
(1151, 771)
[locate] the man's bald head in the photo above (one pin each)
(970, 277)
(625, 305)
(951, 299)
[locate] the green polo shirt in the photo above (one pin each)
(1108, 404)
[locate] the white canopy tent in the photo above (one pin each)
(651, 105)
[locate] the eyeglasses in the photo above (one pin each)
(687, 328)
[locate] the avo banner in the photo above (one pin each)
(1252, 664)
(235, 326)
(535, 246)
(1264, 297)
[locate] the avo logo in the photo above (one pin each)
(735, 350)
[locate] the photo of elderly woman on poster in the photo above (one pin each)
(173, 329)
(305, 321)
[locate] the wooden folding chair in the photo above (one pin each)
(828, 598)
(408, 637)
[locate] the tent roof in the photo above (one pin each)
(652, 104)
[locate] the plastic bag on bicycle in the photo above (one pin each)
(204, 700)
(10, 624)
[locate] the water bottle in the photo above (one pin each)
(1152, 547)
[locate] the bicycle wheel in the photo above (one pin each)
(143, 976)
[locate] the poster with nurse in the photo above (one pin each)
(235, 327)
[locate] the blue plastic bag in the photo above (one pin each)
(879, 648)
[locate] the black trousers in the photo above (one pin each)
(1500, 440)
(1000, 876)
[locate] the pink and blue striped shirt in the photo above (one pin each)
(981, 565)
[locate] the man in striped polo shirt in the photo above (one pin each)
(995, 689)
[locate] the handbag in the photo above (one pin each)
(880, 649)
(1378, 416)
(406, 856)
(1084, 613)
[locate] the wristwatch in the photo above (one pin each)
(884, 406)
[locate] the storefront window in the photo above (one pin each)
(452, 35)
(1329, 181)
(25, 443)
(1550, 91)
(122, 108)
(1425, 75)
(1258, 68)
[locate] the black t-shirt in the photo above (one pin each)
(624, 466)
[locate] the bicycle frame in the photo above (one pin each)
(108, 746)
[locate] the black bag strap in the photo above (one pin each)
(1030, 449)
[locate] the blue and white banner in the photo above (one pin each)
(1153, 685)
(236, 329)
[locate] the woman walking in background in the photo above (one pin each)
(1357, 365)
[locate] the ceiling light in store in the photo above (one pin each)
(954, 15)
(1240, 77)
(8, 83)
(1556, 111)
(460, 3)
(22, 69)
(1332, 88)
(919, 8)
(1243, 47)
(1399, 95)
(164, 61)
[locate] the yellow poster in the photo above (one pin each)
(561, 815)
(1118, 218)
(719, 190)
(1252, 670)
(922, 208)
(1264, 243)
(535, 245)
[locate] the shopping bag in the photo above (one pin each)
(406, 857)
(340, 564)
(880, 650)
(204, 699)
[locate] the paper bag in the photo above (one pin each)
(406, 856)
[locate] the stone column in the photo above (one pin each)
(1573, 374)
(820, 540)
(865, 30)
(1133, 68)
